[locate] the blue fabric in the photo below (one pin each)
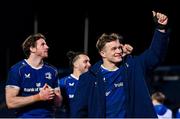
(30, 80)
(178, 113)
(160, 109)
(115, 95)
(68, 87)
(90, 100)
(69, 83)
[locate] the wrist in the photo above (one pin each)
(37, 97)
(162, 30)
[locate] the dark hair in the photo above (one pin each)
(31, 42)
(73, 56)
(159, 96)
(105, 38)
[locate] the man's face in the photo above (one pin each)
(82, 63)
(41, 48)
(112, 52)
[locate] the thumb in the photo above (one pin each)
(45, 86)
(154, 13)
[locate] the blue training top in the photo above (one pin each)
(29, 80)
(90, 98)
(115, 95)
(69, 84)
(178, 113)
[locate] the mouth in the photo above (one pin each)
(118, 55)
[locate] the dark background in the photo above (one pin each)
(62, 22)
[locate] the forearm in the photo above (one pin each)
(160, 39)
(155, 55)
(13, 99)
(160, 42)
(17, 101)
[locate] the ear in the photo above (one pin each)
(102, 53)
(76, 65)
(32, 49)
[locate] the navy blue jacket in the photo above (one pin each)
(89, 99)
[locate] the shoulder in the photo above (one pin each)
(50, 67)
(87, 77)
(86, 74)
(16, 67)
(62, 81)
(131, 59)
(64, 78)
(169, 110)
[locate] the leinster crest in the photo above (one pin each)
(48, 75)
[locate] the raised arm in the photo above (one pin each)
(127, 49)
(161, 21)
(156, 53)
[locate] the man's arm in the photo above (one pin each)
(15, 101)
(161, 21)
(79, 107)
(156, 53)
(127, 49)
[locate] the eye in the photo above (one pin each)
(43, 44)
(114, 48)
(120, 47)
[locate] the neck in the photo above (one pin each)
(76, 73)
(155, 102)
(35, 61)
(110, 66)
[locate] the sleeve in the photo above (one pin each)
(156, 53)
(62, 82)
(178, 113)
(56, 80)
(14, 78)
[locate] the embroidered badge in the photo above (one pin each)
(48, 75)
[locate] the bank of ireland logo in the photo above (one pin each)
(48, 75)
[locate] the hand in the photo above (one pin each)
(127, 49)
(58, 97)
(46, 93)
(161, 18)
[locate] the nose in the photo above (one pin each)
(47, 46)
(89, 64)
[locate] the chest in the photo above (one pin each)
(33, 80)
